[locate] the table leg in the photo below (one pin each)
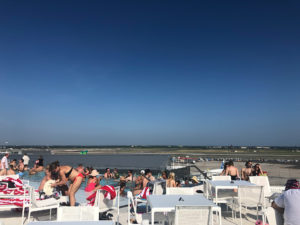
(217, 195)
(152, 217)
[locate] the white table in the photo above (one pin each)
(167, 203)
(227, 185)
(100, 222)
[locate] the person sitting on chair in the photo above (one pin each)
(288, 203)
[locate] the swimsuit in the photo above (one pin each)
(233, 177)
(79, 175)
(90, 187)
(68, 173)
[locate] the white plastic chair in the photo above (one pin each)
(249, 196)
(158, 189)
(221, 178)
(40, 205)
(77, 213)
(103, 204)
(196, 215)
(138, 216)
(179, 190)
(264, 181)
(141, 218)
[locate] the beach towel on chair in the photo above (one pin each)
(145, 192)
(17, 189)
(13, 183)
(110, 192)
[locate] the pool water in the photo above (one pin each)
(81, 195)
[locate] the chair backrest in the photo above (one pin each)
(196, 215)
(273, 217)
(180, 191)
(32, 197)
(221, 178)
(263, 181)
(131, 204)
(251, 195)
(158, 189)
(77, 213)
(104, 204)
(16, 176)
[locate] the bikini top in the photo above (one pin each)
(68, 173)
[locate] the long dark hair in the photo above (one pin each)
(53, 166)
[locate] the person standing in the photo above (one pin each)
(4, 163)
(26, 159)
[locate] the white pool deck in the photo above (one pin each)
(12, 217)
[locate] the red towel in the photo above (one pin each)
(109, 194)
(145, 192)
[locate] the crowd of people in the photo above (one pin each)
(20, 166)
(249, 170)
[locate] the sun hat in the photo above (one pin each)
(194, 178)
(47, 187)
(142, 172)
(94, 173)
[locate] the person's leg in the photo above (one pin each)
(73, 189)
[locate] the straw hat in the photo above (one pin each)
(94, 173)
(47, 187)
(194, 178)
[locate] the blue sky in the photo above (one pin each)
(150, 72)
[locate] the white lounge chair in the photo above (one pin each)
(40, 205)
(249, 196)
(24, 198)
(196, 215)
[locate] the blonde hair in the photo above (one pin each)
(172, 176)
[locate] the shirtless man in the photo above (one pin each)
(247, 171)
(11, 170)
(21, 165)
(148, 177)
(232, 171)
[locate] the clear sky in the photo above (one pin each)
(150, 72)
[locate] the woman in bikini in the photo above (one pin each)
(67, 173)
(232, 171)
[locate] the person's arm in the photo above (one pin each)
(63, 179)
(243, 174)
(226, 172)
(275, 206)
(260, 171)
(237, 173)
(42, 184)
